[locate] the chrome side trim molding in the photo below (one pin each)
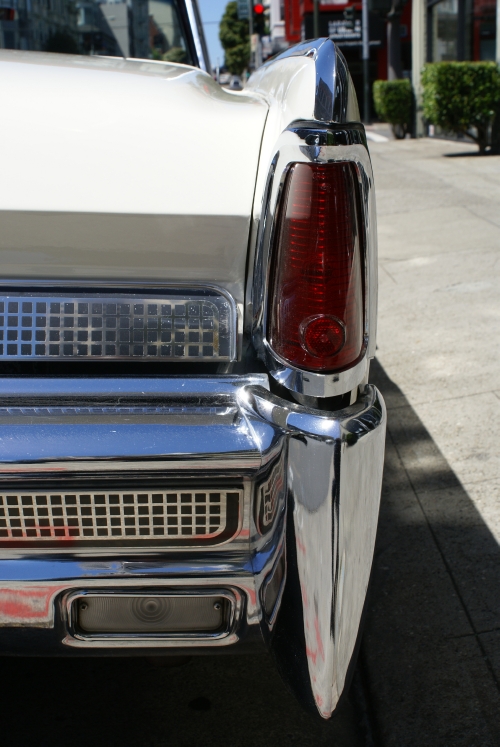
(124, 387)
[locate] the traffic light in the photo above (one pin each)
(259, 19)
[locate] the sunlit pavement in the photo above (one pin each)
(431, 652)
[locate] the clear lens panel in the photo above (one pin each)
(82, 326)
(150, 614)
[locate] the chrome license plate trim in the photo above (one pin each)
(226, 636)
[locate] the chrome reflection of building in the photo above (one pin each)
(119, 29)
(123, 28)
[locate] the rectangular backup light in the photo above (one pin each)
(153, 614)
(175, 325)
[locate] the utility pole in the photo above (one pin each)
(418, 48)
(366, 61)
(250, 17)
(316, 19)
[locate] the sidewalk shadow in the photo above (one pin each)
(468, 153)
(431, 651)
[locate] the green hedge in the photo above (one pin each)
(463, 97)
(393, 101)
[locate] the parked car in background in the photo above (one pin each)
(191, 452)
(235, 83)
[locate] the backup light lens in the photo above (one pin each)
(316, 293)
(155, 613)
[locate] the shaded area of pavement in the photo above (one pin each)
(234, 701)
(430, 650)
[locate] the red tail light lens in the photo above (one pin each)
(316, 302)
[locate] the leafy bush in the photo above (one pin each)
(463, 97)
(393, 103)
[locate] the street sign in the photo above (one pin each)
(342, 30)
(243, 9)
(345, 28)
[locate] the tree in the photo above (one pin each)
(235, 39)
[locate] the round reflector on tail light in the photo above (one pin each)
(316, 294)
(322, 336)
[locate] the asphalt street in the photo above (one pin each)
(233, 701)
(429, 669)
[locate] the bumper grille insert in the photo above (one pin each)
(124, 518)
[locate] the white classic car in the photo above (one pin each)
(190, 452)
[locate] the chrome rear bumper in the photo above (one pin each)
(69, 431)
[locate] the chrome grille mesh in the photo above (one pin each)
(117, 516)
(192, 326)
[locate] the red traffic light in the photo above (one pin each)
(258, 9)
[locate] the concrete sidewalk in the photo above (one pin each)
(431, 653)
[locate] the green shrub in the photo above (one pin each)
(393, 103)
(462, 97)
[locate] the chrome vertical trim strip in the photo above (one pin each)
(335, 464)
(197, 32)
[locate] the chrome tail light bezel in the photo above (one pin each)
(314, 142)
